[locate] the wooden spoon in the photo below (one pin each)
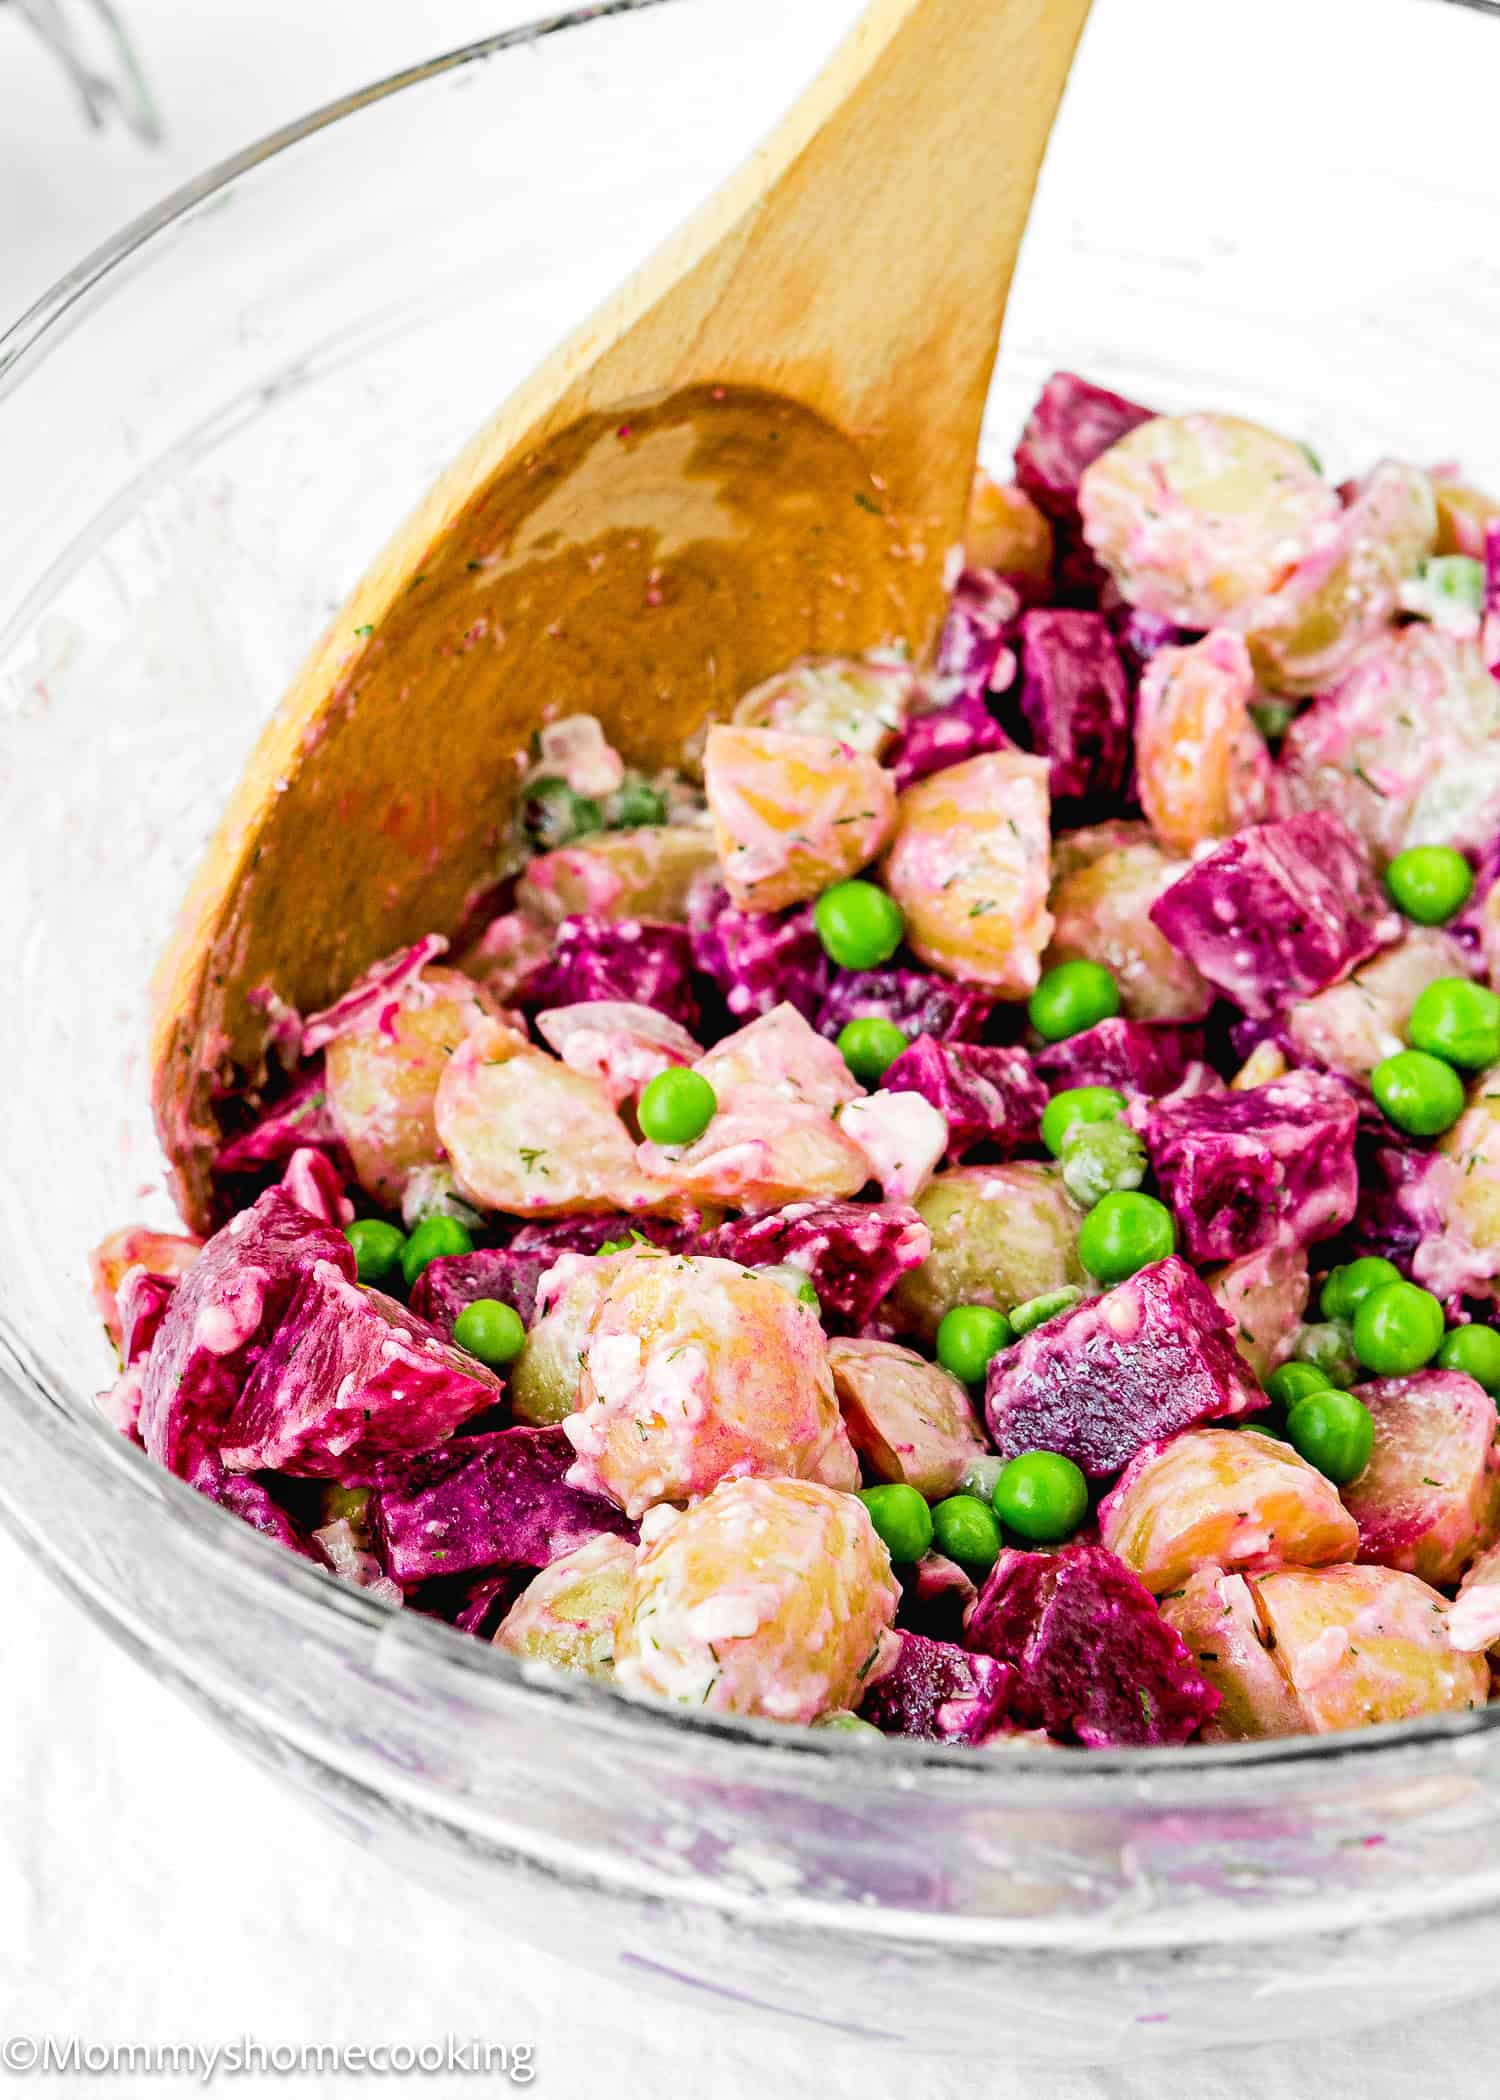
(760, 448)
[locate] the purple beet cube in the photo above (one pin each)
(934, 1692)
(350, 1377)
(974, 656)
(1141, 634)
(644, 961)
(918, 1001)
(1071, 424)
(853, 1253)
(220, 1318)
(1489, 633)
(987, 1095)
(252, 1501)
(1151, 1357)
(299, 1118)
(142, 1302)
(945, 737)
(1279, 911)
(495, 1501)
(315, 1184)
(1138, 1057)
(1094, 1660)
(1270, 1166)
(1076, 699)
(758, 959)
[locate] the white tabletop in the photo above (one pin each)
(154, 1887)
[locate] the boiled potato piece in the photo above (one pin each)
(568, 1614)
(1202, 767)
(1362, 1645)
(1219, 1619)
(643, 874)
(1004, 531)
(544, 1378)
(909, 1420)
(1353, 1026)
(1101, 905)
(1265, 1294)
(858, 701)
(792, 814)
(1000, 1235)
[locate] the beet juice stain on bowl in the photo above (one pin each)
(740, 1840)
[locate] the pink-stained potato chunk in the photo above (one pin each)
(1462, 1185)
(909, 1420)
(544, 1378)
(1005, 532)
(695, 1371)
(970, 867)
(1222, 1498)
(1265, 1294)
(568, 1614)
(903, 1137)
(1202, 767)
(383, 1078)
(770, 1597)
(1105, 882)
(617, 1041)
(1351, 1027)
(1194, 516)
(792, 814)
(1361, 1645)
(1218, 1618)
(779, 1053)
(1474, 1615)
(858, 701)
(1429, 1500)
(643, 874)
(1000, 1235)
(169, 1254)
(527, 1135)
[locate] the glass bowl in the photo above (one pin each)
(206, 430)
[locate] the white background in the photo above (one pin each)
(153, 1887)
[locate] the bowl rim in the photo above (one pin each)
(461, 1664)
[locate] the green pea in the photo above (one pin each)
(1353, 1281)
(1124, 1232)
(1042, 1496)
(1291, 1382)
(1099, 1158)
(1429, 883)
(1328, 1345)
(433, 1239)
(378, 1248)
(1075, 1105)
(1037, 1311)
(902, 1519)
(859, 924)
(636, 804)
(1334, 1432)
(491, 1330)
(1418, 1093)
(965, 1529)
(839, 1721)
(968, 1336)
(869, 1045)
(677, 1106)
(555, 815)
(1474, 1350)
(1397, 1329)
(1273, 718)
(1457, 1020)
(1071, 997)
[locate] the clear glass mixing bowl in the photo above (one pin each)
(204, 432)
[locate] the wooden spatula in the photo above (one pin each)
(760, 448)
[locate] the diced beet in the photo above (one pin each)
(1152, 1356)
(853, 1253)
(220, 1319)
(1094, 1661)
(301, 1117)
(373, 1000)
(512, 1273)
(472, 1606)
(973, 652)
(143, 1300)
(1279, 911)
(349, 1377)
(1399, 1202)
(313, 1181)
(945, 736)
(1267, 1166)
(252, 1501)
(644, 961)
(1138, 1057)
(1489, 633)
(495, 1501)
(757, 959)
(1076, 699)
(1072, 423)
(919, 1002)
(935, 1594)
(987, 1095)
(934, 1692)
(1141, 634)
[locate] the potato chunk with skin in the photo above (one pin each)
(857, 701)
(544, 1377)
(1218, 1619)
(792, 814)
(1220, 1498)
(1202, 766)
(383, 1078)
(1351, 1027)
(780, 1053)
(969, 867)
(1361, 1645)
(617, 1041)
(1000, 1235)
(908, 1419)
(696, 1370)
(1462, 1186)
(1265, 1294)
(1474, 1614)
(568, 1614)
(527, 1135)
(1429, 1500)
(771, 1597)
(1196, 515)
(1101, 906)
(643, 874)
